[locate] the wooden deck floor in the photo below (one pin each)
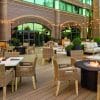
(46, 89)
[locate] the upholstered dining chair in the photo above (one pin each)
(62, 74)
(47, 53)
(11, 54)
(5, 77)
(76, 55)
(26, 69)
(30, 49)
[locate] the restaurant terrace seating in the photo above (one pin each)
(6, 76)
(65, 75)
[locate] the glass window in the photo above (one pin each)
(32, 1)
(89, 2)
(49, 3)
(40, 2)
(28, 26)
(86, 1)
(87, 13)
(62, 6)
(76, 9)
(57, 4)
(84, 12)
(37, 27)
(20, 27)
(80, 11)
(69, 8)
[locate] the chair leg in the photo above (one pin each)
(16, 83)
(20, 79)
(58, 88)
(12, 86)
(34, 83)
(4, 93)
(43, 61)
(98, 92)
(76, 87)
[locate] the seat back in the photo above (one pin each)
(7, 54)
(77, 54)
(2, 70)
(47, 52)
(11, 54)
(25, 44)
(15, 54)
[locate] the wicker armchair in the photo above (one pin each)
(11, 54)
(26, 69)
(5, 77)
(76, 55)
(64, 75)
(47, 53)
(30, 49)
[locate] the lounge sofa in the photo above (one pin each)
(91, 47)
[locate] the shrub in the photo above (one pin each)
(69, 47)
(76, 41)
(97, 40)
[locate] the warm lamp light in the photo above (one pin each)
(94, 64)
(1, 58)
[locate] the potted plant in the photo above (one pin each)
(97, 40)
(77, 44)
(68, 49)
(15, 42)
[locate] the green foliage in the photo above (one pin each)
(69, 47)
(76, 41)
(15, 42)
(27, 28)
(97, 40)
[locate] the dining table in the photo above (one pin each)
(11, 62)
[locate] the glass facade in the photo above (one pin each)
(89, 2)
(31, 33)
(63, 6)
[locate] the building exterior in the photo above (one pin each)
(54, 14)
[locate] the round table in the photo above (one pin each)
(88, 74)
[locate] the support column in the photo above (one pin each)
(57, 25)
(3, 20)
(96, 18)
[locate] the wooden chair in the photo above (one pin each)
(47, 53)
(64, 75)
(98, 86)
(26, 69)
(5, 77)
(25, 44)
(30, 49)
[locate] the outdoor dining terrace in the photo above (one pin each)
(46, 80)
